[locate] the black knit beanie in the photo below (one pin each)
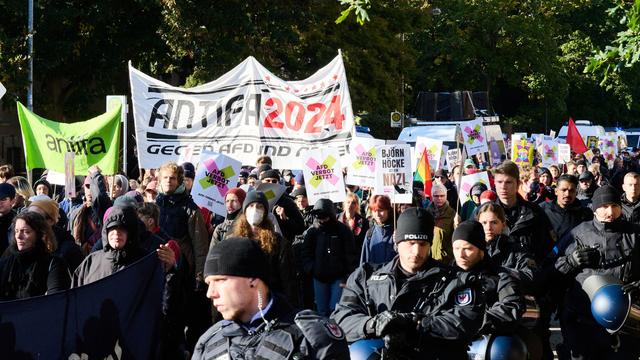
(271, 173)
(237, 256)
(414, 224)
(605, 195)
(472, 232)
(255, 196)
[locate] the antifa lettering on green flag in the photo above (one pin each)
(94, 141)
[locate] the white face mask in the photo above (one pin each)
(254, 216)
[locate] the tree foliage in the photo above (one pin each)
(530, 55)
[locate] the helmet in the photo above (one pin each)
(366, 349)
(609, 305)
(498, 347)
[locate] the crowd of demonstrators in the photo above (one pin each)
(433, 274)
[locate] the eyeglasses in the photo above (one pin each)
(270, 180)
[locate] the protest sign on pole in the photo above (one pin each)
(245, 113)
(95, 142)
(475, 139)
(272, 192)
(443, 155)
(215, 175)
(564, 153)
(468, 181)
(323, 175)
(454, 157)
(609, 147)
(549, 152)
(393, 173)
(434, 148)
(522, 153)
(361, 162)
(69, 175)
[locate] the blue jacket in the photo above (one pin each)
(378, 245)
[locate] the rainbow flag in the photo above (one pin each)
(423, 172)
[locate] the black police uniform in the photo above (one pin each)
(282, 334)
(448, 308)
(615, 242)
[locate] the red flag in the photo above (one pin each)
(423, 173)
(574, 139)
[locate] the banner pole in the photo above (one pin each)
(460, 164)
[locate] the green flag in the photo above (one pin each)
(94, 141)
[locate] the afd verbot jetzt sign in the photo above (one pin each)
(215, 175)
(245, 113)
(323, 175)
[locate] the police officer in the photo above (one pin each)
(601, 246)
(259, 324)
(504, 300)
(418, 305)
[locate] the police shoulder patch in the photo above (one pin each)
(464, 297)
(334, 330)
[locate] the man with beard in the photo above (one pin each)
(566, 212)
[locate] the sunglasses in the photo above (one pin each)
(271, 181)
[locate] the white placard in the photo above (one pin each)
(468, 181)
(549, 152)
(433, 146)
(564, 153)
(215, 175)
(475, 139)
(323, 175)
(361, 161)
(454, 157)
(393, 175)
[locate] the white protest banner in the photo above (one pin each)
(549, 152)
(215, 175)
(323, 175)
(475, 139)
(246, 113)
(454, 157)
(186, 155)
(361, 162)
(435, 150)
(69, 174)
(272, 192)
(564, 153)
(468, 181)
(393, 173)
(3, 90)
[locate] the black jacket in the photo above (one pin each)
(221, 230)
(631, 211)
(615, 241)
(31, 273)
(182, 220)
(6, 232)
(283, 334)
(294, 225)
(67, 250)
(529, 226)
(329, 251)
(507, 253)
(563, 220)
(503, 296)
(450, 306)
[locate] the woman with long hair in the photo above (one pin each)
(24, 192)
(351, 217)
(254, 223)
(29, 267)
(378, 245)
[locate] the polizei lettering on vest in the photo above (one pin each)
(93, 145)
